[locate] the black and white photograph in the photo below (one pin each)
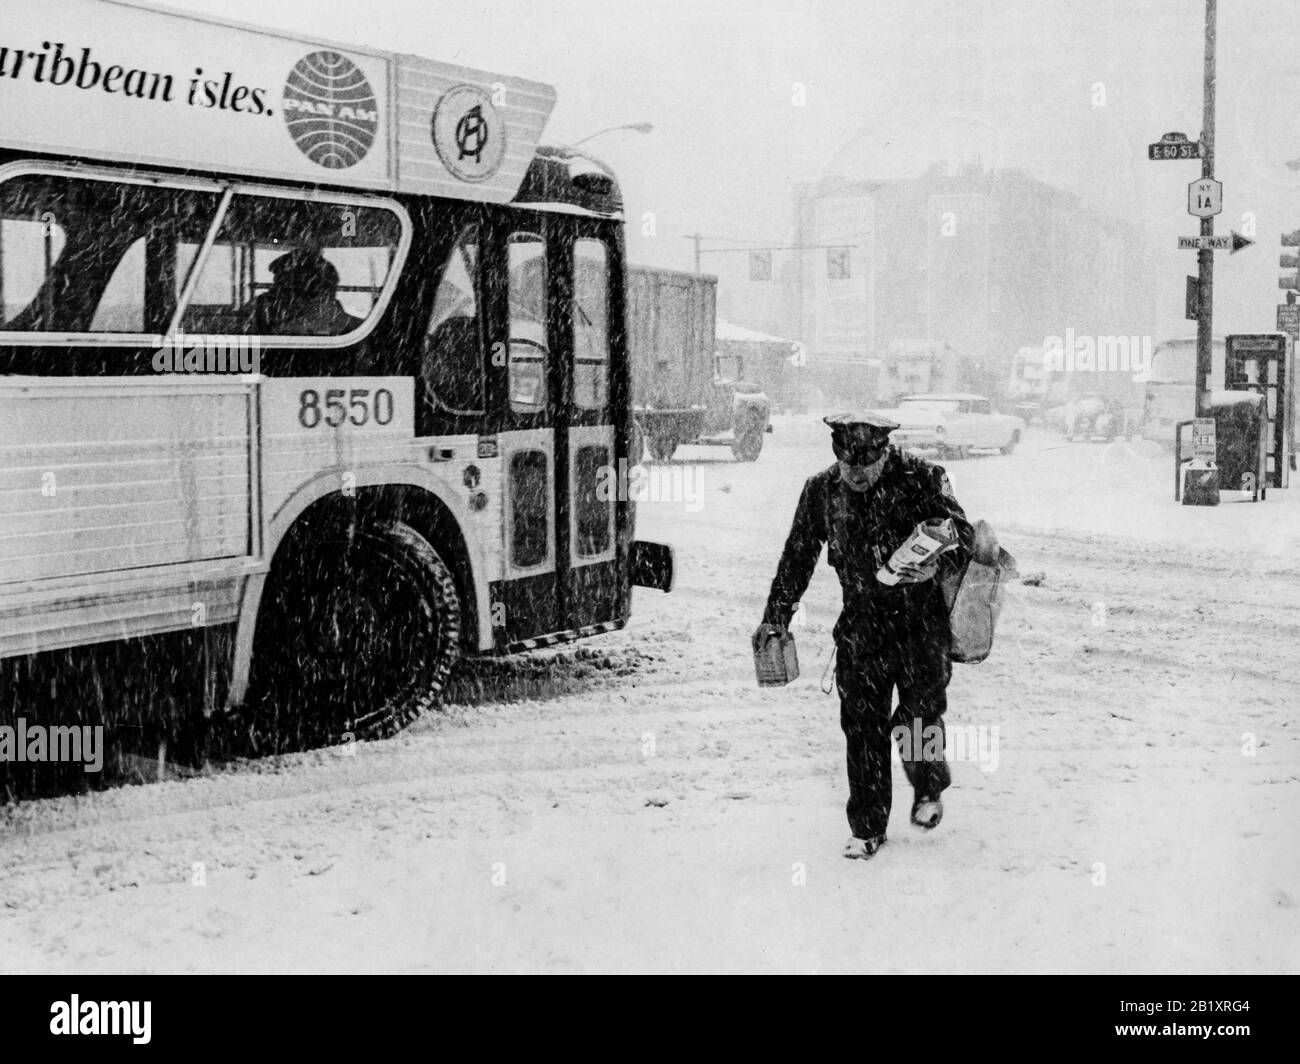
(682, 488)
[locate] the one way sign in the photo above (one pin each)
(1231, 244)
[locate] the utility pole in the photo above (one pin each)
(1205, 258)
(697, 237)
(799, 203)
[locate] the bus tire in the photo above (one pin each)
(357, 636)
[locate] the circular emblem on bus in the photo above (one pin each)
(469, 133)
(330, 109)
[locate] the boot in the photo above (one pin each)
(927, 812)
(863, 849)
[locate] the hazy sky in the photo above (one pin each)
(890, 85)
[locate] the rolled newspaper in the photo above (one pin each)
(928, 540)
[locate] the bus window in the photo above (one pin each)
(528, 351)
(530, 510)
(121, 307)
(595, 515)
(282, 266)
(728, 368)
(590, 325)
(28, 251)
(79, 252)
(216, 285)
(453, 352)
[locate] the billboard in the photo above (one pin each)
(105, 80)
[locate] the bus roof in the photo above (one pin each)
(123, 82)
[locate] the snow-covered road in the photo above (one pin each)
(637, 803)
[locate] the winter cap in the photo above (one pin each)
(866, 419)
(306, 266)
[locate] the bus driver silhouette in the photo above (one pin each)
(302, 300)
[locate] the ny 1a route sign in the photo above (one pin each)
(1205, 197)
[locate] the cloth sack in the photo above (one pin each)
(974, 597)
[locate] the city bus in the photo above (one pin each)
(310, 351)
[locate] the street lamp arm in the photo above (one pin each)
(636, 127)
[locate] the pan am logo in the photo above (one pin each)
(469, 133)
(330, 109)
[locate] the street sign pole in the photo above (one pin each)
(1205, 257)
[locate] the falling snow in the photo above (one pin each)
(636, 802)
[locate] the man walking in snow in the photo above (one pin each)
(863, 507)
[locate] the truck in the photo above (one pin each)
(1027, 389)
(777, 365)
(683, 392)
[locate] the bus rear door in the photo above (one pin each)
(562, 508)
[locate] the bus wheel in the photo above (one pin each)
(748, 446)
(357, 636)
(662, 448)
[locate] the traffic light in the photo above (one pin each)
(1290, 281)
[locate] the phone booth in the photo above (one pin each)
(1264, 363)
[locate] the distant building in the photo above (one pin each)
(936, 281)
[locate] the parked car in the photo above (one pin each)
(953, 424)
(1093, 417)
(1096, 406)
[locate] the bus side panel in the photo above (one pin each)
(120, 609)
(112, 475)
(525, 608)
(313, 425)
(596, 595)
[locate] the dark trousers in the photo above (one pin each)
(870, 663)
